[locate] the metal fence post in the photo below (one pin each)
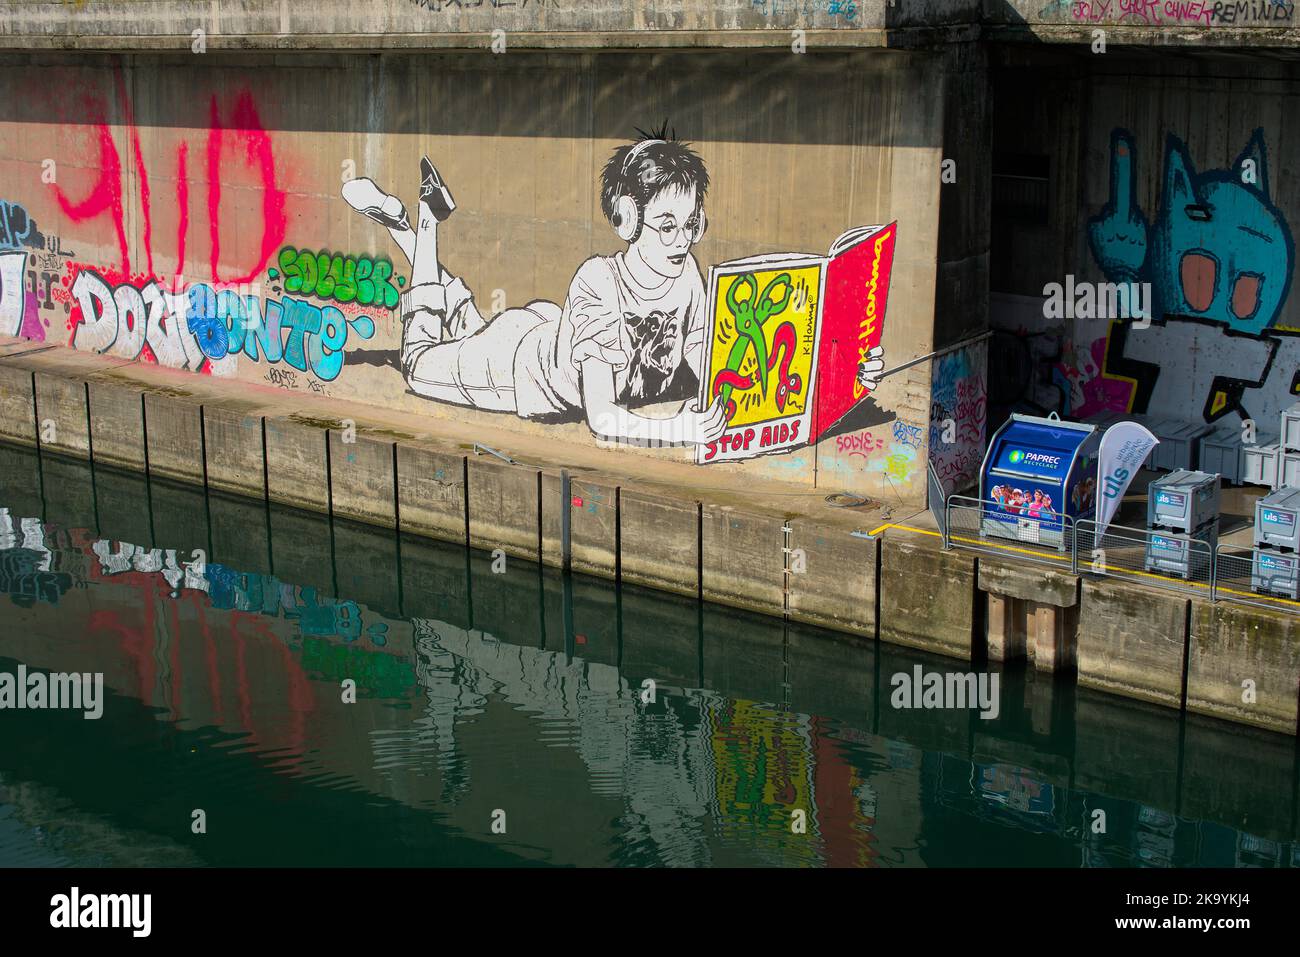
(1074, 551)
(1214, 574)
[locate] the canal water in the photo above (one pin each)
(508, 715)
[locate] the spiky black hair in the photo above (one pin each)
(659, 166)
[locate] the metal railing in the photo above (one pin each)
(1164, 559)
(1168, 560)
(1265, 579)
(984, 525)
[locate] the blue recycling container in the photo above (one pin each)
(1036, 471)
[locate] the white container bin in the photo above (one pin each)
(1259, 465)
(1289, 470)
(1291, 428)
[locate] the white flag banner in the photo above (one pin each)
(1124, 447)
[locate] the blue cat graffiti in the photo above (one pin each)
(1218, 256)
(1217, 248)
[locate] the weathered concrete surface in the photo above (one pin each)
(431, 493)
(832, 676)
(1038, 583)
(365, 565)
(856, 159)
(180, 519)
(61, 415)
(302, 549)
(17, 406)
(240, 533)
(595, 620)
(1127, 749)
(69, 496)
(435, 580)
(296, 472)
(361, 479)
(837, 588)
(174, 429)
(743, 562)
(743, 655)
(505, 595)
(1132, 640)
(235, 456)
(22, 494)
(1238, 777)
(927, 595)
(1232, 644)
(168, 24)
(660, 542)
(931, 729)
(117, 425)
(503, 507)
(593, 516)
(661, 638)
(122, 507)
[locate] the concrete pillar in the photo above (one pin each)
(1054, 632)
(1006, 628)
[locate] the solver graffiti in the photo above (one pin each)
(205, 328)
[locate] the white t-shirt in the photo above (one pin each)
(644, 334)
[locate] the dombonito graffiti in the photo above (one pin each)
(630, 332)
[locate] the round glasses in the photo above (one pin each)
(693, 228)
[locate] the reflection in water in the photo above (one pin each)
(610, 726)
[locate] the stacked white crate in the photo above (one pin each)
(1288, 458)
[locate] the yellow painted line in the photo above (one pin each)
(1257, 595)
(985, 543)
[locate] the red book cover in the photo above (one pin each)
(853, 319)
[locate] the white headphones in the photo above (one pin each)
(627, 213)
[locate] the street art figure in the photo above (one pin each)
(1218, 256)
(630, 332)
(1218, 248)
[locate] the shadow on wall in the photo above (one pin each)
(1210, 267)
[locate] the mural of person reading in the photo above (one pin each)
(630, 332)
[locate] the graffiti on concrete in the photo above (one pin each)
(958, 414)
(205, 328)
(1203, 13)
(234, 131)
(438, 6)
(361, 279)
(631, 331)
(1219, 256)
(29, 271)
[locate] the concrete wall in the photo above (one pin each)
(1195, 18)
(1163, 173)
(278, 23)
(171, 202)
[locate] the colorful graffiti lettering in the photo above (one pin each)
(206, 328)
(958, 414)
(105, 196)
(23, 245)
(360, 279)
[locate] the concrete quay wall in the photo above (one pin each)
(779, 554)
